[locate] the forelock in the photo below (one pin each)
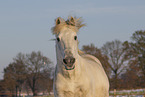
(72, 23)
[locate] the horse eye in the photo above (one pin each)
(58, 39)
(75, 37)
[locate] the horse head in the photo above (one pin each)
(66, 40)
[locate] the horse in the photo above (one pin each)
(76, 74)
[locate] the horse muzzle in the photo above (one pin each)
(69, 62)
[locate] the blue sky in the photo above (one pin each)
(25, 25)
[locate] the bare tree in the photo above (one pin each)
(130, 79)
(28, 69)
(14, 76)
(2, 86)
(20, 70)
(136, 52)
(117, 62)
(45, 85)
(138, 46)
(38, 67)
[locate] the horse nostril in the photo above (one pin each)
(69, 60)
(64, 60)
(72, 60)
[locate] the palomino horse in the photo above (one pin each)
(76, 74)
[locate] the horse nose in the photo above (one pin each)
(69, 61)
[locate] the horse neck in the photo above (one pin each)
(71, 74)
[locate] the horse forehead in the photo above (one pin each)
(67, 33)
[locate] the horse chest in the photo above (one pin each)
(81, 91)
(76, 89)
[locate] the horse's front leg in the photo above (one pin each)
(58, 94)
(61, 95)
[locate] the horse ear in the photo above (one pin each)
(72, 20)
(59, 20)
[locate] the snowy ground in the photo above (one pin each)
(128, 92)
(117, 92)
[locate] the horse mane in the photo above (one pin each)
(72, 22)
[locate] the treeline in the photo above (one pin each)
(124, 63)
(29, 73)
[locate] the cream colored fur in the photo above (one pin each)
(87, 79)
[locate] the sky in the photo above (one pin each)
(25, 25)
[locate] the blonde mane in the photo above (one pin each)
(72, 22)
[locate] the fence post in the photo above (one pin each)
(114, 92)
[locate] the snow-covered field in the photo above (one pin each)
(127, 93)
(129, 96)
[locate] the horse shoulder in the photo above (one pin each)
(98, 72)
